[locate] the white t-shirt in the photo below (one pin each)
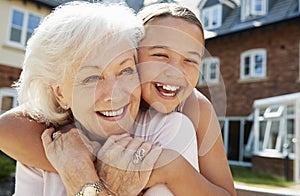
(173, 131)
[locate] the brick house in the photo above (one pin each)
(18, 20)
(255, 44)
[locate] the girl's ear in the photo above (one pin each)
(60, 97)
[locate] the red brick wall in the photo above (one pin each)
(281, 41)
(8, 75)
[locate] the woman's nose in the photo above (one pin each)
(112, 91)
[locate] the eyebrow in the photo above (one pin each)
(166, 47)
(126, 60)
(97, 67)
(195, 53)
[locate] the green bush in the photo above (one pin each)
(7, 167)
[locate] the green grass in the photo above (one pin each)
(245, 175)
(7, 167)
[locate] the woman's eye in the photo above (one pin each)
(127, 71)
(91, 79)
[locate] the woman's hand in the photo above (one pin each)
(125, 164)
(71, 154)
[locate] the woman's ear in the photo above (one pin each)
(59, 97)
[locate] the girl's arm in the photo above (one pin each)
(212, 158)
(20, 138)
(177, 167)
(182, 179)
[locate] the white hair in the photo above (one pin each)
(65, 38)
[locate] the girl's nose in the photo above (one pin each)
(173, 70)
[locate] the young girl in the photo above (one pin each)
(169, 89)
(169, 57)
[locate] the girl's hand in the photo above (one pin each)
(125, 164)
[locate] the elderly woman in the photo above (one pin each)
(79, 71)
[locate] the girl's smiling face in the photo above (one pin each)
(169, 57)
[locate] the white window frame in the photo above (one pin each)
(252, 54)
(209, 13)
(280, 116)
(273, 111)
(8, 92)
(205, 76)
(249, 10)
(24, 30)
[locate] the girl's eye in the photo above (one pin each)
(127, 71)
(160, 55)
(91, 79)
(192, 61)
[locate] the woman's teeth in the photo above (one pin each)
(112, 113)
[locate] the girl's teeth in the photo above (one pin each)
(168, 87)
(113, 113)
(168, 94)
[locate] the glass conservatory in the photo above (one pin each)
(277, 129)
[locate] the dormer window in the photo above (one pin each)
(212, 17)
(253, 9)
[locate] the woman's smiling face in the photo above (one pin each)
(105, 92)
(169, 57)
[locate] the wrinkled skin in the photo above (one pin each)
(113, 161)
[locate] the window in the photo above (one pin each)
(253, 8)
(273, 111)
(276, 129)
(22, 25)
(8, 99)
(210, 72)
(212, 17)
(271, 128)
(253, 64)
